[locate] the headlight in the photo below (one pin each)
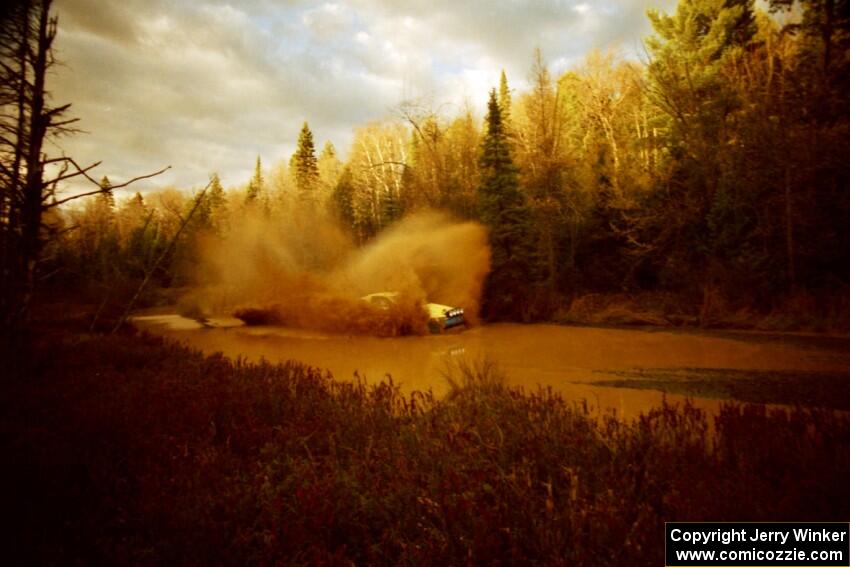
(454, 312)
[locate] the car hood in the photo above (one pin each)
(436, 310)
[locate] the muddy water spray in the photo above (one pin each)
(307, 274)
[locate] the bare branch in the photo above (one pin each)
(80, 171)
(62, 123)
(84, 172)
(57, 159)
(387, 162)
(139, 178)
(71, 198)
(198, 199)
(57, 110)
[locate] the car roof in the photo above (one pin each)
(387, 294)
(434, 309)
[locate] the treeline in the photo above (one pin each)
(716, 171)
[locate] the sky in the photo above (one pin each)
(209, 86)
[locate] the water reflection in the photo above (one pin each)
(566, 359)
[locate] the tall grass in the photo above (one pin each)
(128, 449)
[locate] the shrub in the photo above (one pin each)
(128, 449)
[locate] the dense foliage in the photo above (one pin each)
(716, 174)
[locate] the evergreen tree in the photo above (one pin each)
(330, 169)
(215, 195)
(506, 109)
(328, 151)
(138, 201)
(141, 243)
(257, 184)
(504, 210)
(107, 195)
(305, 166)
(99, 243)
(208, 213)
(217, 203)
(342, 199)
(823, 28)
(692, 52)
(504, 98)
(689, 51)
(104, 216)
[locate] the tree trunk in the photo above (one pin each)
(33, 190)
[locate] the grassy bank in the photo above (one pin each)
(823, 313)
(126, 449)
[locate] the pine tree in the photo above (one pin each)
(216, 193)
(689, 51)
(212, 209)
(329, 167)
(328, 151)
(824, 32)
(104, 211)
(107, 195)
(504, 98)
(137, 203)
(305, 165)
(140, 241)
(256, 186)
(692, 52)
(504, 210)
(342, 199)
(104, 257)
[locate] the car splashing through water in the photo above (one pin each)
(440, 317)
(265, 276)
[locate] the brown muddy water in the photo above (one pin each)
(571, 360)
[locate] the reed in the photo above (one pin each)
(128, 449)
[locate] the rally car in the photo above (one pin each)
(440, 317)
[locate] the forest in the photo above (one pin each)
(708, 182)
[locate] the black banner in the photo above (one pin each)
(740, 544)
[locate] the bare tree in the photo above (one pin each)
(27, 121)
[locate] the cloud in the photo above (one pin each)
(327, 21)
(209, 86)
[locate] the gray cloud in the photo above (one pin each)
(209, 86)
